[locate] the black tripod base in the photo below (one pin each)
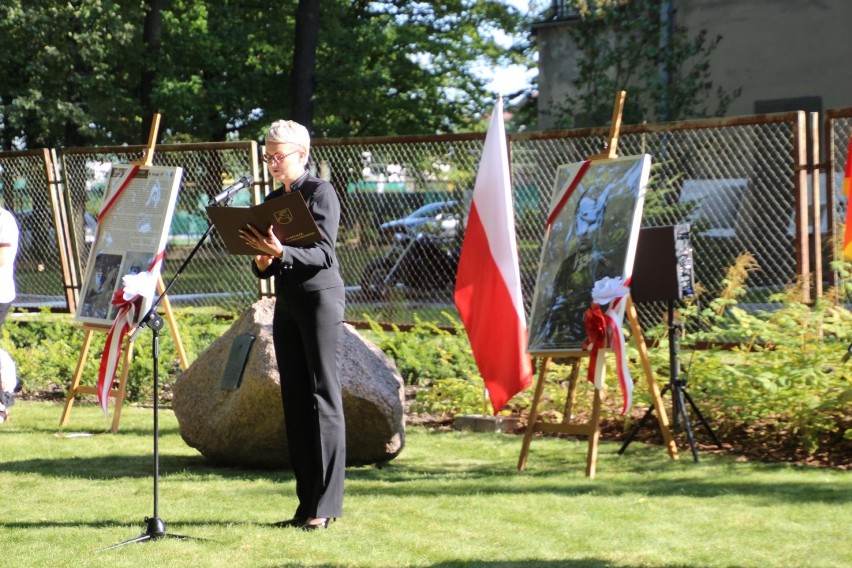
(155, 530)
(679, 399)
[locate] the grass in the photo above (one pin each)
(450, 499)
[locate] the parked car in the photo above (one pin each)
(441, 218)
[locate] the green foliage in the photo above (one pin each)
(776, 375)
(451, 396)
(392, 67)
(79, 73)
(783, 383)
(631, 46)
(438, 361)
(66, 67)
(441, 364)
(843, 268)
(426, 353)
(785, 377)
(47, 350)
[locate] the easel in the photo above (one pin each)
(119, 389)
(591, 429)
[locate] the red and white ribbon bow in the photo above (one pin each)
(129, 299)
(603, 329)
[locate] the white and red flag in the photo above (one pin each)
(488, 291)
(135, 291)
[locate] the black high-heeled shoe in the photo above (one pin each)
(312, 527)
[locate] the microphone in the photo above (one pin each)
(229, 192)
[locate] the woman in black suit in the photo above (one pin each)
(309, 301)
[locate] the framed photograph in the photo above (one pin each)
(133, 228)
(593, 227)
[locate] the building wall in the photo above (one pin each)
(557, 70)
(783, 54)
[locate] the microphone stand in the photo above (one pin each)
(155, 526)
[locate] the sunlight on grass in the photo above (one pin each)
(450, 499)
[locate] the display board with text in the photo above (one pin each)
(133, 229)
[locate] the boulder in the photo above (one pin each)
(243, 424)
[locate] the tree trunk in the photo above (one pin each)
(151, 33)
(304, 62)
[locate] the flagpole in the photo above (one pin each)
(485, 401)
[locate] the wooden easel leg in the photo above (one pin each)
(653, 388)
(594, 436)
(75, 382)
(121, 391)
(539, 389)
(568, 411)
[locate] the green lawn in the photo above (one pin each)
(450, 499)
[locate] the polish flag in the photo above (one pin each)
(488, 283)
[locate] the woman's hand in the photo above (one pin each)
(267, 244)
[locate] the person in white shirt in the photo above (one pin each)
(8, 253)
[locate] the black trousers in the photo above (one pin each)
(306, 332)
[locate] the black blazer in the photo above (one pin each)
(314, 267)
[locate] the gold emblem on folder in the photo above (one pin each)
(283, 216)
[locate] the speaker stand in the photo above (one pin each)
(680, 396)
(155, 528)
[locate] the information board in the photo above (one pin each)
(133, 228)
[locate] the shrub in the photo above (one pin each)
(776, 375)
(426, 353)
(47, 350)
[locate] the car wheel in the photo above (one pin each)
(375, 284)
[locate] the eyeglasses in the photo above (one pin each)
(277, 158)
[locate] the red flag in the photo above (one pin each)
(488, 283)
(847, 185)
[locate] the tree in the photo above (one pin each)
(400, 67)
(152, 33)
(59, 75)
(635, 45)
(304, 61)
(89, 72)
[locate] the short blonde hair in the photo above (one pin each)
(290, 132)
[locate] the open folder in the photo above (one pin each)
(288, 215)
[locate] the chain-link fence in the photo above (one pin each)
(403, 209)
(734, 181)
(25, 182)
(213, 277)
(740, 183)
